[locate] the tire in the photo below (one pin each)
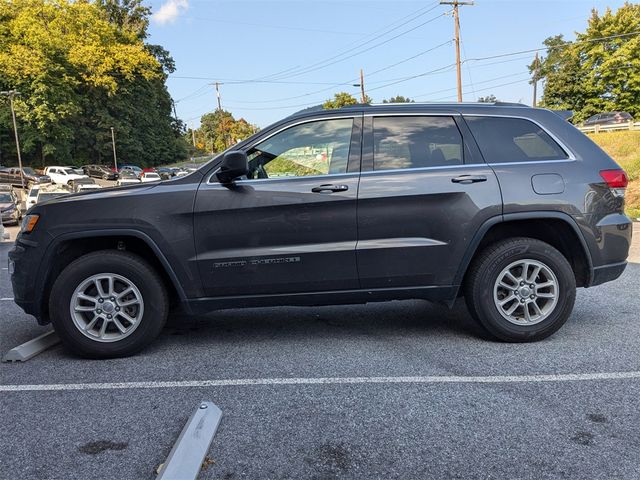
(150, 311)
(483, 294)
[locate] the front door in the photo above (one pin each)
(424, 193)
(290, 225)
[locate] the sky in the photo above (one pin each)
(273, 58)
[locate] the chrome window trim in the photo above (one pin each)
(571, 156)
(533, 162)
(414, 114)
(418, 169)
(352, 116)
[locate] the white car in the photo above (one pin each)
(62, 175)
(87, 187)
(45, 194)
(32, 197)
(127, 179)
(150, 177)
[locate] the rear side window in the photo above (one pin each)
(503, 139)
(415, 142)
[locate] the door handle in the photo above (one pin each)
(328, 188)
(466, 179)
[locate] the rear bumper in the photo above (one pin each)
(607, 273)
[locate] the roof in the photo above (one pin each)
(462, 107)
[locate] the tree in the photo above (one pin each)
(488, 99)
(398, 99)
(339, 100)
(593, 74)
(219, 130)
(83, 67)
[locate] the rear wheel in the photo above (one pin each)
(520, 289)
(108, 304)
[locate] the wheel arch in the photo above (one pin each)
(556, 228)
(67, 247)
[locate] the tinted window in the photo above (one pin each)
(314, 148)
(415, 142)
(513, 140)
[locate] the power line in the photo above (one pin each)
(366, 49)
(411, 17)
(350, 82)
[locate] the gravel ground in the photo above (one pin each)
(509, 429)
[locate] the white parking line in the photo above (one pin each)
(6, 299)
(566, 377)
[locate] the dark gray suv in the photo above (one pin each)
(510, 206)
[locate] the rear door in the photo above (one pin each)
(290, 226)
(424, 192)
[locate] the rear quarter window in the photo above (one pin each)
(504, 139)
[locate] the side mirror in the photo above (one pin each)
(234, 164)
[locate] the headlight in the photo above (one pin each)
(29, 223)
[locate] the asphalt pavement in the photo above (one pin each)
(392, 390)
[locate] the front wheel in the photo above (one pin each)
(520, 289)
(108, 304)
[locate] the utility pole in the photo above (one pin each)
(456, 20)
(218, 95)
(193, 135)
(113, 143)
(534, 79)
(11, 94)
(175, 114)
(364, 97)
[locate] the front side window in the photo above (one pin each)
(504, 139)
(415, 142)
(314, 148)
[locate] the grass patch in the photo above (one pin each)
(624, 148)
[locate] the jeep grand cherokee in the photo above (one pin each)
(510, 206)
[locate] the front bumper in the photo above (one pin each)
(23, 264)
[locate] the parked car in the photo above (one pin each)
(9, 207)
(62, 175)
(11, 176)
(165, 173)
(149, 177)
(78, 169)
(509, 206)
(83, 184)
(127, 177)
(130, 168)
(32, 196)
(608, 118)
(46, 194)
(100, 171)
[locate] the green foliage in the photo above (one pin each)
(219, 130)
(339, 100)
(82, 67)
(590, 76)
(398, 99)
(488, 99)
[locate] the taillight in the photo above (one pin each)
(615, 178)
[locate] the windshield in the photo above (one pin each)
(34, 192)
(5, 198)
(68, 171)
(28, 171)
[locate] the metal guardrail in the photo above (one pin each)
(610, 128)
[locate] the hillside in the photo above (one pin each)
(624, 148)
